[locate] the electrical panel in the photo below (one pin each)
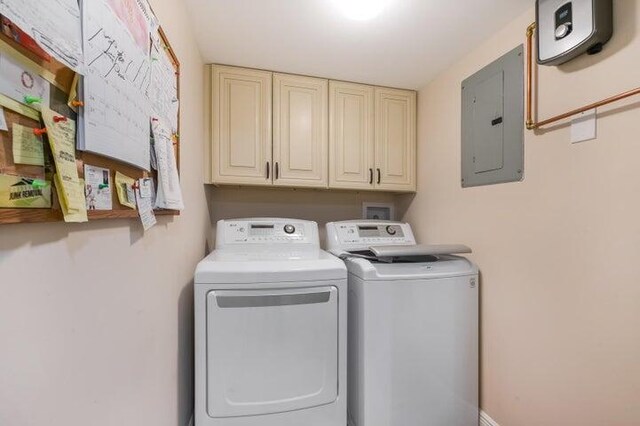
(493, 122)
(567, 29)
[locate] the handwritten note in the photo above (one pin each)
(169, 192)
(18, 82)
(62, 137)
(115, 120)
(27, 147)
(53, 24)
(163, 90)
(145, 210)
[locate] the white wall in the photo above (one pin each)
(559, 252)
(96, 319)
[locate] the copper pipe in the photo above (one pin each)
(530, 30)
(530, 123)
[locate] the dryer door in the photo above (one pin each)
(271, 351)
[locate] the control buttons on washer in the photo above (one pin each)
(289, 229)
(391, 230)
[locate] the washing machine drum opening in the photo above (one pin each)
(271, 351)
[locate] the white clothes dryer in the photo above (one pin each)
(270, 328)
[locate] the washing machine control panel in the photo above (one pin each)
(265, 231)
(352, 235)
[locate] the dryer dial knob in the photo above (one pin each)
(391, 230)
(289, 229)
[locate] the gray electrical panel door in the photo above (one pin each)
(493, 122)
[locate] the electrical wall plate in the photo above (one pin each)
(493, 122)
(378, 211)
(566, 29)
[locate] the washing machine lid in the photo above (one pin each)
(410, 268)
(248, 266)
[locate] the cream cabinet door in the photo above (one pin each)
(395, 139)
(241, 126)
(300, 131)
(351, 136)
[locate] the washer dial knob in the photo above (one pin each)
(289, 229)
(391, 230)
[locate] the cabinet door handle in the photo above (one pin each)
(370, 176)
(379, 177)
(268, 169)
(277, 170)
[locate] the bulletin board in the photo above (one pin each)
(62, 84)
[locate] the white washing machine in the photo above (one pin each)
(413, 327)
(270, 328)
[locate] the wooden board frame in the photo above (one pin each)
(63, 78)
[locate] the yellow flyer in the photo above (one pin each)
(70, 215)
(124, 187)
(61, 132)
(24, 193)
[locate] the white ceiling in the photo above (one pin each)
(405, 46)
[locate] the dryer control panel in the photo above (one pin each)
(354, 235)
(266, 231)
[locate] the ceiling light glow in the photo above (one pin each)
(361, 10)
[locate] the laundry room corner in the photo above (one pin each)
(557, 250)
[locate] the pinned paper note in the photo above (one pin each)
(70, 215)
(3, 121)
(62, 137)
(21, 192)
(27, 147)
(145, 210)
(19, 83)
(53, 24)
(97, 188)
(169, 192)
(146, 187)
(124, 188)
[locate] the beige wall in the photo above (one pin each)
(319, 206)
(96, 319)
(559, 252)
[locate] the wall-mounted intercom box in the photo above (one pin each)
(567, 29)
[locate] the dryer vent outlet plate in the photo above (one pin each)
(567, 29)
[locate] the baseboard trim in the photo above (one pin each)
(485, 420)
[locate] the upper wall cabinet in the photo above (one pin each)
(241, 126)
(395, 139)
(300, 131)
(326, 134)
(351, 136)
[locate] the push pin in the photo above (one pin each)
(154, 119)
(103, 186)
(59, 118)
(135, 185)
(40, 132)
(76, 103)
(177, 73)
(32, 99)
(37, 184)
